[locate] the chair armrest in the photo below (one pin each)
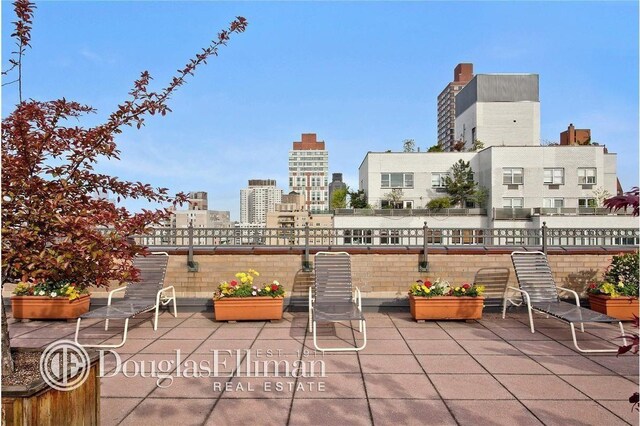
(162, 290)
(571, 291)
(526, 295)
(310, 297)
(113, 291)
(359, 299)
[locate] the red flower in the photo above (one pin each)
(233, 283)
(466, 286)
(592, 285)
(274, 287)
(428, 284)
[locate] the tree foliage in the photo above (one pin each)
(358, 199)
(409, 145)
(435, 148)
(460, 185)
(52, 221)
(439, 203)
(393, 199)
(339, 198)
(628, 199)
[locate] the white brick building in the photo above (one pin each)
(258, 199)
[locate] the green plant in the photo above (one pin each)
(435, 148)
(439, 203)
(245, 287)
(339, 198)
(443, 288)
(66, 288)
(460, 185)
(620, 278)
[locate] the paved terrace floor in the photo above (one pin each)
(488, 372)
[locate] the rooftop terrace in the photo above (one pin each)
(492, 371)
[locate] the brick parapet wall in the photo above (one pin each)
(378, 273)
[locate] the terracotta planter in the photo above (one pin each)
(38, 404)
(43, 307)
(248, 308)
(446, 307)
(622, 308)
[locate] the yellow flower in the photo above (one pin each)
(457, 288)
(463, 290)
(427, 290)
(267, 289)
(620, 285)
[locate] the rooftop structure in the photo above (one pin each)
(259, 198)
(309, 172)
(462, 74)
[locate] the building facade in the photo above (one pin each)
(290, 219)
(259, 198)
(499, 110)
(462, 74)
(516, 177)
(309, 172)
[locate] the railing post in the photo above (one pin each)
(306, 264)
(191, 265)
(544, 237)
(423, 264)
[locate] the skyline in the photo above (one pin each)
(363, 77)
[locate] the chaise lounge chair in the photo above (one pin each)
(540, 294)
(495, 282)
(331, 296)
(143, 296)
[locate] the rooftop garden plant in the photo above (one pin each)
(243, 286)
(620, 278)
(68, 289)
(443, 288)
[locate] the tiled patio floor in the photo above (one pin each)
(488, 372)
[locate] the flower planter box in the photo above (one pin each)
(622, 307)
(248, 308)
(43, 307)
(446, 307)
(38, 404)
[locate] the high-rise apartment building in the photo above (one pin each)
(309, 172)
(499, 110)
(258, 199)
(462, 74)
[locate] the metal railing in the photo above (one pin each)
(528, 213)
(388, 237)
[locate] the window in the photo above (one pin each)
(512, 203)
(586, 176)
(513, 176)
(553, 202)
(554, 176)
(587, 202)
(396, 180)
(357, 236)
(389, 236)
(437, 179)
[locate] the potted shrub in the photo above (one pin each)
(242, 300)
(439, 300)
(617, 294)
(49, 300)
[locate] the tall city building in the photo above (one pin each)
(499, 110)
(259, 198)
(462, 74)
(336, 183)
(309, 172)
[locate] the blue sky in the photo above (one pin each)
(364, 76)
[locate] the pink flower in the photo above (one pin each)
(233, 283)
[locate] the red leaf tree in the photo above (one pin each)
(54, 225)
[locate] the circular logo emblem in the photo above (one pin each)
(64, 365)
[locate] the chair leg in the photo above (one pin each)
(155, 321)
(106, 324)
(124, 337)
(357, 348)
(533, 330)
(624, 340)
(575, 342)
(175, 305)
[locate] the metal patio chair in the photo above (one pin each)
(540, 293)
(143, 296)
(331, 297)
(495, 282)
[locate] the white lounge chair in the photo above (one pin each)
(331, 297)
(540, 293)
(143, 296)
